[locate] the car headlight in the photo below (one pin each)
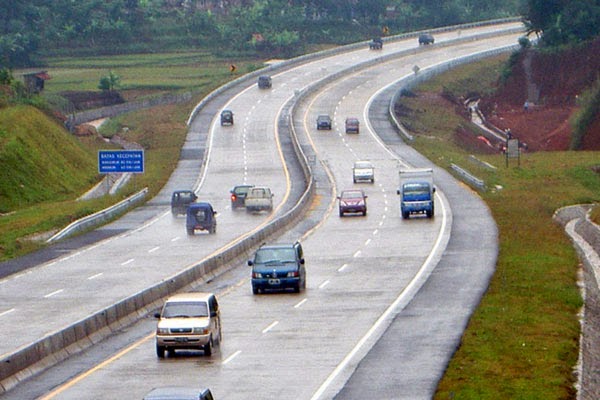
(162, 331)
(201, 331)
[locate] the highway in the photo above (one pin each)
(362, 271)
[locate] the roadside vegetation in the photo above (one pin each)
(522, 342)
(50, 168)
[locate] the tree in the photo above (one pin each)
(109, 82)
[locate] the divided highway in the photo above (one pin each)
(362, 271)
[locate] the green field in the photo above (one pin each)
(522, 342)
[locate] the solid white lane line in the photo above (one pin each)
(300, 304)
(128, 261)
(3, 313)
(152, 250)
(95, 276)
(268, 328)
(54, 293)
(322, 285)
(231, 357)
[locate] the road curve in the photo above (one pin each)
(258, 131)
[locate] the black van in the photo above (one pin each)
(180, 200)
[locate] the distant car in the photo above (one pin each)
(363, 171)
(278, 267)
(264, 82)
(180, 200)
(190, 321)
(226, 117)
(376, 44)
(352, 125)
(238, 195)
(352, 201)
(178, 393)
(200, 216)
(426, 38)
(324, 122)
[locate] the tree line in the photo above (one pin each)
(32, 29)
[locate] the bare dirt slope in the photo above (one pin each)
(550, 83)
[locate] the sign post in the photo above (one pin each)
(513, 150)
(121, 161)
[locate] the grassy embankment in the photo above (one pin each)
(46, 169)
(522, 342)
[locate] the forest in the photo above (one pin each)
(32, 29)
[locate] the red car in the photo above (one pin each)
(353, 201)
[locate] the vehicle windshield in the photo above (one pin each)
(183, 309)
(363, 165)
(352, 195)
(200, 214)
(416, 188)
(265, 256)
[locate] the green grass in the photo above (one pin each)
(46, 169)
(186, 71)
(522, 341)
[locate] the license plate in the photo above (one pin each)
(274, 281)
(181, 339)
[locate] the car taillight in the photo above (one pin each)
(257, 275)
(292, 274)
(233, 197)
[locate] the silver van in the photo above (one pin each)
(188, 321)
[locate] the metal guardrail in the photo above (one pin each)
(96, 219)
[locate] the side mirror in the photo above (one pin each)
(250, 263)
(398, 191)
(302, 261)
(157, 315)
(434, 189)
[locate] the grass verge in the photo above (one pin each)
(160, 130)
(522, 341)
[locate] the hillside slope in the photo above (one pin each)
(40, 161)
(551, 83)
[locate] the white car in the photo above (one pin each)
(363, 171)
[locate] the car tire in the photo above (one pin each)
(341, 213)
(160, 351)
(405, 215)
(255, 290)
(190, 232)
(208, 347)
(297, 288)
(364, 213)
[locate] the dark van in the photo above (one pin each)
(180, 200)
(200, 217)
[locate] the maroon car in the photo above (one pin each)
(353, 201)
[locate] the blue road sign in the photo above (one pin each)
(115, 161)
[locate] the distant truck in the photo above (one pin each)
(416, 192)
(259, 198)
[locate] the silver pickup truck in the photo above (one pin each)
(259, 198)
